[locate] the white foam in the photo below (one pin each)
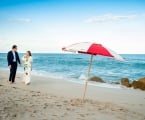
(97, 84)
(80, 80)
(47, 74)
(83, 77)
(106, 85)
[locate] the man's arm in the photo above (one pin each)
(18, 58)
(9, 58)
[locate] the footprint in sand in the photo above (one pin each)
(100, 109)
(82, 115)
(112, 109)
(65, 113)
(44, 107)
(34, 111)
(14, 115)
(45, 104)
(59, 106)
(68, 109)
(65, 101)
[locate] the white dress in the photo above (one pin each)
(27, 62)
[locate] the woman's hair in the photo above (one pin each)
(29, 52)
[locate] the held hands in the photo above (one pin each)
(9, 66)
(24, 56)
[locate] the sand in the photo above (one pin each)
(54, 99)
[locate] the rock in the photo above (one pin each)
(142, 80)
(125, 82)
(138, 84)
(96, 79)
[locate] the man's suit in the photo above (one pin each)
(13, 59)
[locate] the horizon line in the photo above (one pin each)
(69, 53)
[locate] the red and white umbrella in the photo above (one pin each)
(92, 49)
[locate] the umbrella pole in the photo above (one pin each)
(89, 69)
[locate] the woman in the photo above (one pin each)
(27, 62)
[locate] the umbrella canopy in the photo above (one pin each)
(92, 49)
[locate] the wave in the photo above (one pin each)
(74, 67)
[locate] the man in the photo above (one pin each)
(13, 59)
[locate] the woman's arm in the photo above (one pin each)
(31, 65)
(31, 61)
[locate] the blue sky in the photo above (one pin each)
(48, 25)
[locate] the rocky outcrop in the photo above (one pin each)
(142, 80)
(139, 84)
(96, 79)
(125, 82)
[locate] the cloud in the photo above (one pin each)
(109, 18)
(21, 20)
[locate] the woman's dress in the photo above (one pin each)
(27, 62)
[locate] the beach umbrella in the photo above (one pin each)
(92, 49)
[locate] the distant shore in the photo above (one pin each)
(46, 98)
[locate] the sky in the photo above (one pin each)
(49, 25)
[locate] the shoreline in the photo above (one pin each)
(45, 80)
(101, 103)
(109, 70)
(80, 81)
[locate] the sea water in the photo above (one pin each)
(74, 67)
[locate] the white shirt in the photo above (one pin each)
(14, 54)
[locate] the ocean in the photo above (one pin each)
(73, 67)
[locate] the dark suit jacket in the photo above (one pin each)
(10, 57)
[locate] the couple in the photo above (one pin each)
(13, 59)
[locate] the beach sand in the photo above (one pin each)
(51, 99)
